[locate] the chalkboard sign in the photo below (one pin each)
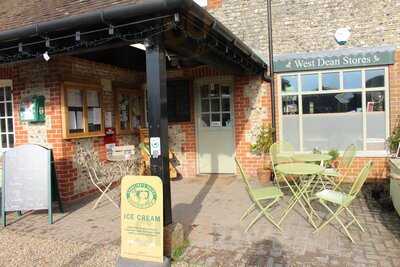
(27, 180)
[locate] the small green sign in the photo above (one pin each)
(344, 58)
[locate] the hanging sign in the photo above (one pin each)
(142, 219)
(343, 58)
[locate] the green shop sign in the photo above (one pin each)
(345, 58)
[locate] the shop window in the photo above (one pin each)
(375, 78)
(6, 116)
(289, 83)
(352, 80)
(178, 98)
(290, 104)
(129, 113)
(330, 81)
(82, 110)
(332, 103)
(309, 82)
(337, 111)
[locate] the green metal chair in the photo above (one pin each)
(281, 152)
(337, 177)
(343, 201)
(258, 196)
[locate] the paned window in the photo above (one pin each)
(82, 111)
(6, 117)
(333, 109)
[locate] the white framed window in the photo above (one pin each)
(335, 108)
(7, 134)
(215, 106)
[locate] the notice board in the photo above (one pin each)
(27, 180)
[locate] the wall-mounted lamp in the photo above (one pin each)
(342, 35)
(139, 46)
(46, 56)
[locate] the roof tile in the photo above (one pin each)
(18, 13)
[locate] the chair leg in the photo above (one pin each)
(248, 211)
(330, 219)
(266, 214)
(104, 194)
(335, 215)
(355, 219)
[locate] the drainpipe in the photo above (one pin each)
(271, 65)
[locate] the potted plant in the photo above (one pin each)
(394, 140)
(333, 162)
(261, 147)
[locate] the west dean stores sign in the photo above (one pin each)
(313, 61)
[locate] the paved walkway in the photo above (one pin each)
(209, 208)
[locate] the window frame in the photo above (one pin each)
(83, 87)
(363, 90)
(4, 84)
(131, 93)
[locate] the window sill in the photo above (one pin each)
(375, 154)
(361, 154)
(84, 135)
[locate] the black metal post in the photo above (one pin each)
(157, 116)
(271, 66)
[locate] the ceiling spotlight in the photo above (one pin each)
(77, 36)
(46, 56)
(139, 46)
(111, 30)
(47, 42)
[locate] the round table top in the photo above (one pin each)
(299, 168)
(311, 157)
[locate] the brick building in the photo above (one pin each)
(350, 89)
(305, 49)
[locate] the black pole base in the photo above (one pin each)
(124, 262)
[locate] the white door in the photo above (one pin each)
(215, 132)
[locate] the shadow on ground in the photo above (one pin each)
(187, 213)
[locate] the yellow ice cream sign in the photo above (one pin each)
(142, 218)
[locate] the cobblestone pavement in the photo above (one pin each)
(209, 208)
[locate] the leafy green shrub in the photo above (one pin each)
(394, 140)
(264, 140)
(334, 153)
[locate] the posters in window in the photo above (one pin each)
(74, 98)
(92, 98)
(97, 116)
(75, 120)
(108, 120)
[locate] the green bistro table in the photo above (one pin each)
(311, 157)
(305, 173)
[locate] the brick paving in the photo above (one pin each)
(210, 208)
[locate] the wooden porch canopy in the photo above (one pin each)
(177, 26)
(187, 30)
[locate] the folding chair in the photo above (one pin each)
(336, 177)
(257, 196)
(281, 152)
(102, 178)
(343, 201)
